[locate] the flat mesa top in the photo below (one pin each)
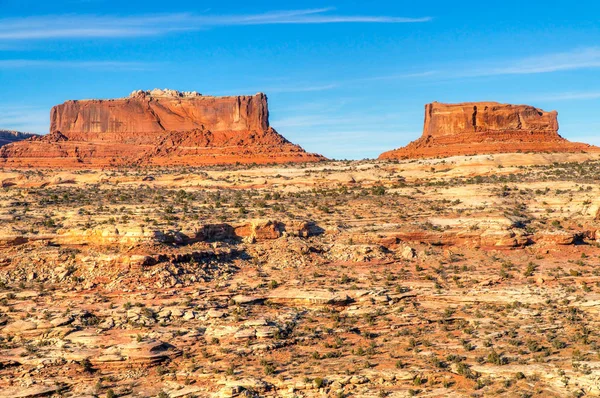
(166, 93)
(481, 103)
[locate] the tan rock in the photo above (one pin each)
(244, 300)
(212, 313)
(245, 334)
(560, 238)
(260, 230)
(147, 353)
(32, 391)
(408, 253)
(308, 297)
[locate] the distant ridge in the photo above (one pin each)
(9, 136)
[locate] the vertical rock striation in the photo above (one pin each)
(158, 127)
(486, 127)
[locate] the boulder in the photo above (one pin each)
(216, 232)
(291, 296)
(560, 238)
(408, 253)
(260, 230)
(500, 238)
(147, 353)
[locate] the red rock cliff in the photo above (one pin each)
(486, 127)
(148, 113)
(162, 127)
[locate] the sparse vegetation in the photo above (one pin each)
(444, 279)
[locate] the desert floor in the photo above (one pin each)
(459, 277)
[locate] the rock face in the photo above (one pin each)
(8, 136)
(486, 127)
(158, 127)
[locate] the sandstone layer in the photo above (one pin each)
(158, 127)
(486, 127)
(8, 136)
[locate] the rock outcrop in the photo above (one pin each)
(158, 127)
(8, 136)
(486, 127)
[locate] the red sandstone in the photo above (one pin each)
(159, 127)
(486, 127)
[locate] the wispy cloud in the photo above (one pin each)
(584, 58)
(569, 96)
(352, 143)
(397, 76)
(341, 120)
(95, 26)
(590, 138)
(343, 133)
(337, 84)
(300, 89)
(579, 59)
(24, 118)
(103, 65)
(282, 88)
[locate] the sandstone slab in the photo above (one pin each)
(308, 297)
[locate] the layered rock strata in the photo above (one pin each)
(158, 127)
(474, 128)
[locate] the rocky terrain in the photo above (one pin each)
(468, 276)
(158, 127)
(486, 127)
(8, 136)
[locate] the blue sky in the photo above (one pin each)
(347, 79)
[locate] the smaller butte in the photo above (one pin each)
(474, 128)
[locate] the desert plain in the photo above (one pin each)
(465, 276)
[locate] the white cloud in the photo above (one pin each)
(568, 96)
(590, 138)
(24, 118)
(398, 76)
(357, 82)
(90, 26)
(36, 63)
(349, 135)
(295, 88)
(352, 144)
(579, 59)
(346, 119)
(300, 89)
(584, 58)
